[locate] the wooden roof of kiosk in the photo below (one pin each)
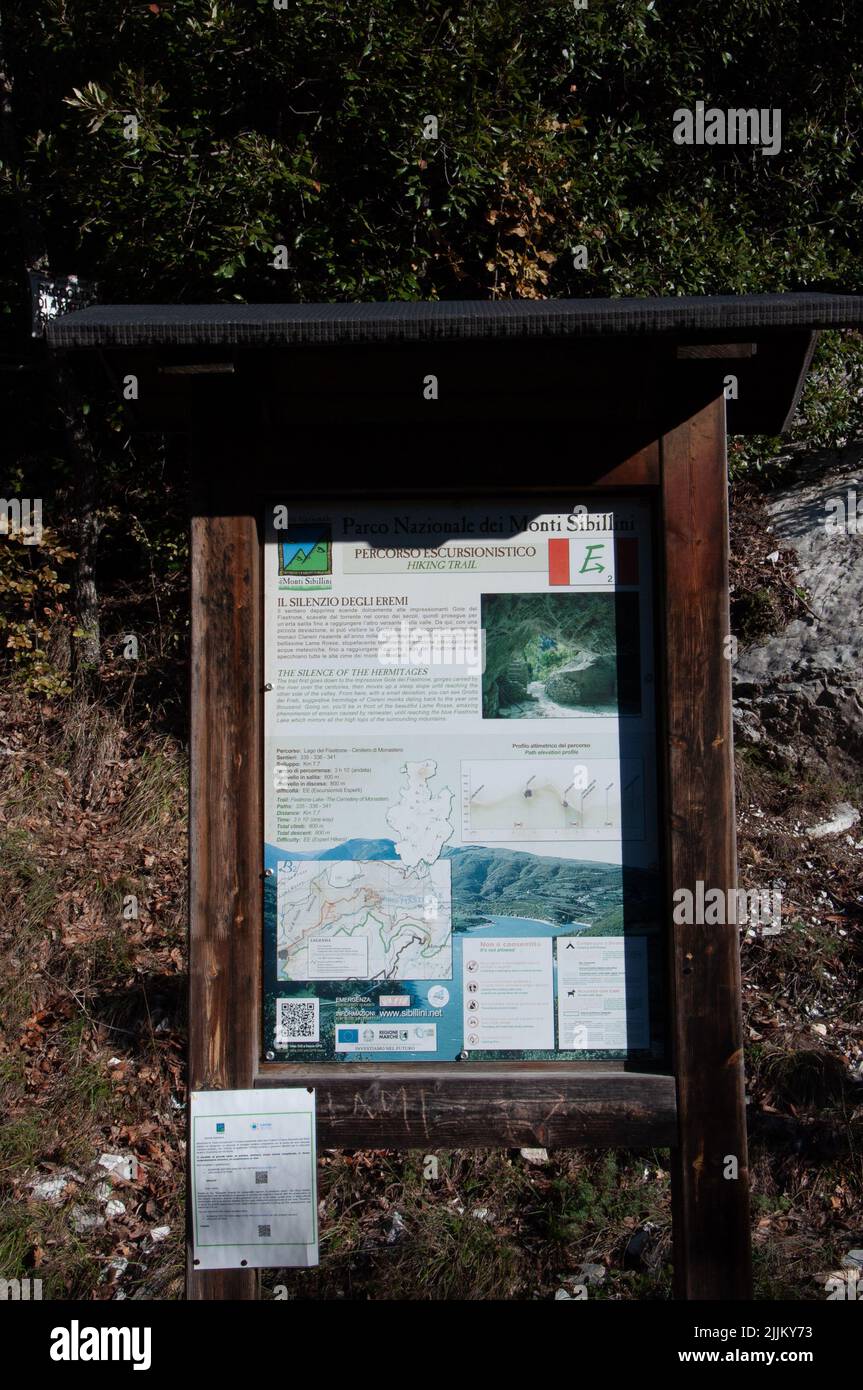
(505, 359)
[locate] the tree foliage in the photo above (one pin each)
(304, 127)
(170, 148)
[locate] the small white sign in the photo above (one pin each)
(602, 993)
(254, 1179)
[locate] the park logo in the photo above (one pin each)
(306, 553)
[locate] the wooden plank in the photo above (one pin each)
(533, 383)
(545, 1105)
(696, 352)
(712, 1255)
(456, 466)
(598, 405)
(791, 405)
(225, 831)
(622, 469)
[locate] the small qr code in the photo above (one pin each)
(261, 1177)
(263, 1232)
(297, 1020)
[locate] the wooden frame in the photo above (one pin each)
(225, 895)
(712, 1257)
(698, 1110)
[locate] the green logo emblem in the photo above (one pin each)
(306, 550)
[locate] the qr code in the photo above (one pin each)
(297, 1020)
(261, 1177)
(263, 1232)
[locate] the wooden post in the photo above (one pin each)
(225, 834)
(712, 1255)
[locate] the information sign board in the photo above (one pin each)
(461, 850)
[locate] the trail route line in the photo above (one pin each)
(374, 919)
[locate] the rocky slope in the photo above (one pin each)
(798, 695)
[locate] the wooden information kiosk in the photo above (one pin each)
(461, 715)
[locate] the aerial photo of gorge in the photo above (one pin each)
(559, 656)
